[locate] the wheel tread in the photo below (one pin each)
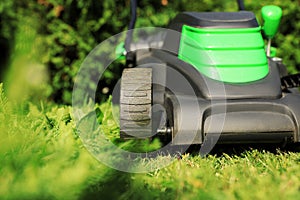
(135, 102)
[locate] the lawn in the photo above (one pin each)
(42, 157)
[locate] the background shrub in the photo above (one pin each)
(67, 30)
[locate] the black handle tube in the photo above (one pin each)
(133, 7)
(241, 4)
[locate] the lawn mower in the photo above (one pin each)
(216, 80)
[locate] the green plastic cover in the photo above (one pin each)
(234, 55)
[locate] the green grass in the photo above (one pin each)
(41, 157)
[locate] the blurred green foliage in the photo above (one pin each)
(67, 30)
(7, 14)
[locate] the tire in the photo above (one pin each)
(135, 103)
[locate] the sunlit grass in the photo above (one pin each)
(42, 157)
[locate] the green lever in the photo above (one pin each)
(271, 16)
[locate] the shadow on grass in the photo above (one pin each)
(112, 186)
(240, 149)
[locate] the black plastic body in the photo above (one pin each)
(241, 19)
(256, 112)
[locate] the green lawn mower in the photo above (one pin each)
(212, 80)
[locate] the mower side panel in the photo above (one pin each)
(244, 121)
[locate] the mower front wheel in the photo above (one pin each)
(135, 103)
